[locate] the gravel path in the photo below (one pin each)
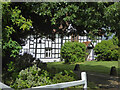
(104, 81)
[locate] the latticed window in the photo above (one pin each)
(48, 52)
(74, 38)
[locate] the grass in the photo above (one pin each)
(90, 66)
(91, 86)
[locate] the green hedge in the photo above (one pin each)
(64, 76)
(35, 76)
(31, 77)
(73, 52)
(106, 51)
(115, 40)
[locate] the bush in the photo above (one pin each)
(106, 51)
(73, 52)
(15, 66)
(34, 76)
(24, 61)
(20, 62)
(31, 77)
(65, 76)
(119, 53)
(41, 64)
(115, 40)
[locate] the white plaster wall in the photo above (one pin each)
(31, 51)
(91, 55)
(50, 60)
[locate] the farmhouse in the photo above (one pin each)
(48, 50)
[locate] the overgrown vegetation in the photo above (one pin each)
(20, 18)
(21, 62)
(64, 76)
(107, 50)
(31, 77)
(13, 22)
(73, 52)
(35, 76)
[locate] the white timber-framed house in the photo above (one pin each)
(48, 50)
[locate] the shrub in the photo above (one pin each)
(41, 64)
(24, 61)
(20, 62)
(14, 66)
(115, 40)
(65, 76)
(73, 52)
(34, 76)
(31, 77)
(106, 51)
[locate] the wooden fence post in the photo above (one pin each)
(84, 77)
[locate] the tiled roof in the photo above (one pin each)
(87, 43)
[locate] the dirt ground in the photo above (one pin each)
(105, 82)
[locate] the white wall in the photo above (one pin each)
(57, 40)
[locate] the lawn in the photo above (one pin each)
(91, 66)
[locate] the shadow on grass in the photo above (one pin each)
(98, 74)
(83, 67)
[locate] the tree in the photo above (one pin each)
(112, 17)
(82, 15)
(91, 17)
(12, 22)
(46, 16)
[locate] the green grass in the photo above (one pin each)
(91, 66)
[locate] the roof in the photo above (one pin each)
(87, 43)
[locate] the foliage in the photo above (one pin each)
(12, 22)
(41, 64)
(119, 53)
(34, 76)
(88, 16)
(12, 46)
(18, 18)
(106, 51)
(92, 86)
(73, 52)
(15, 20)
(115, 40)
(84, 16)
(112, 14)
(65, 76)
(31, 77)
(21, 62)
(16, 65)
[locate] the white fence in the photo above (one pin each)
(55, 86)
(5, 87)
(67, 84)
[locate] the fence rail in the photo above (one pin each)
(67, 84)
(55, 86)
(4, 87)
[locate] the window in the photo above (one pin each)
(48, 52)
(74, 38)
